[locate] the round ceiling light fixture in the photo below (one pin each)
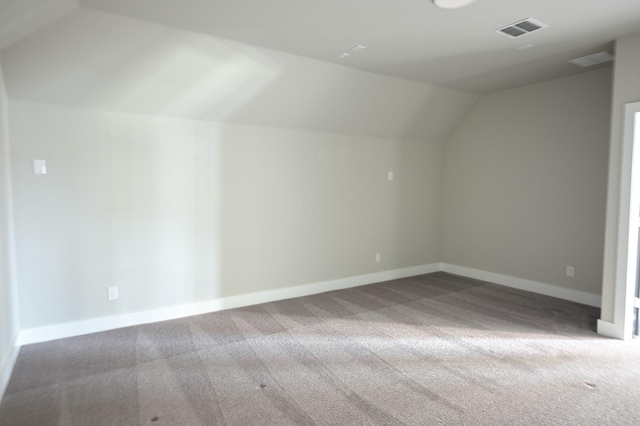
(452, 4)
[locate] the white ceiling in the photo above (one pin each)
(19, 18)
(95, 60)
(409, 39)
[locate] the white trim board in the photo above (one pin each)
(627, 238)
(609, 329)
(76, 328)
(7, 369)
(527, 285)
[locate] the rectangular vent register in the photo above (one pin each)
(520, 28)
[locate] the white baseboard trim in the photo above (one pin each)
(7, 368)
(522, 284)
(609, 329)
(77, 328)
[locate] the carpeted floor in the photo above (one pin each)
(432, 349)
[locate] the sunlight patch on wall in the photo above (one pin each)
(188, 77)
(96, 60)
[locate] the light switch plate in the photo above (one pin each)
(40, 167)
(113, 293)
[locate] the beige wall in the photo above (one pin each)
(183, 168)
(176, 211)
(8, 297)
(626, 89)
(21, 17)
(252, 170)
(525, 183)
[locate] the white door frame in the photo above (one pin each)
(629, 208)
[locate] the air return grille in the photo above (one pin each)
(520, 28)
(595, 59)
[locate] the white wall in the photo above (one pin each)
(626, 89)
(18, 18)
(8, 296)
(184, 168)
(176, 211)
(525, 183)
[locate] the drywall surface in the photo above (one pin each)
(8, 297)
(183, 168)
(97, 60)
(626, 89)
(525, 183)
(176, 211)
(19, 18)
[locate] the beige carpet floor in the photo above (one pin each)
(435, 349)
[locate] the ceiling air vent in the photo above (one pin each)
(595, 59)
(520, 28)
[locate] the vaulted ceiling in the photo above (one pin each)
(409, 39)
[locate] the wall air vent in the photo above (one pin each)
(520, 28)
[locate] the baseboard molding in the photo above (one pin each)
(522, 284)
(609, 329)
(7, 369)
(70, 329)
(77, 328)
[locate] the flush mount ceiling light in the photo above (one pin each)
(452, 4)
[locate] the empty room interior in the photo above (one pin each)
(335, 212)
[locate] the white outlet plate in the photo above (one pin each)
(378, 257)
(113, 293)
(390, 176)
(570, 271)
